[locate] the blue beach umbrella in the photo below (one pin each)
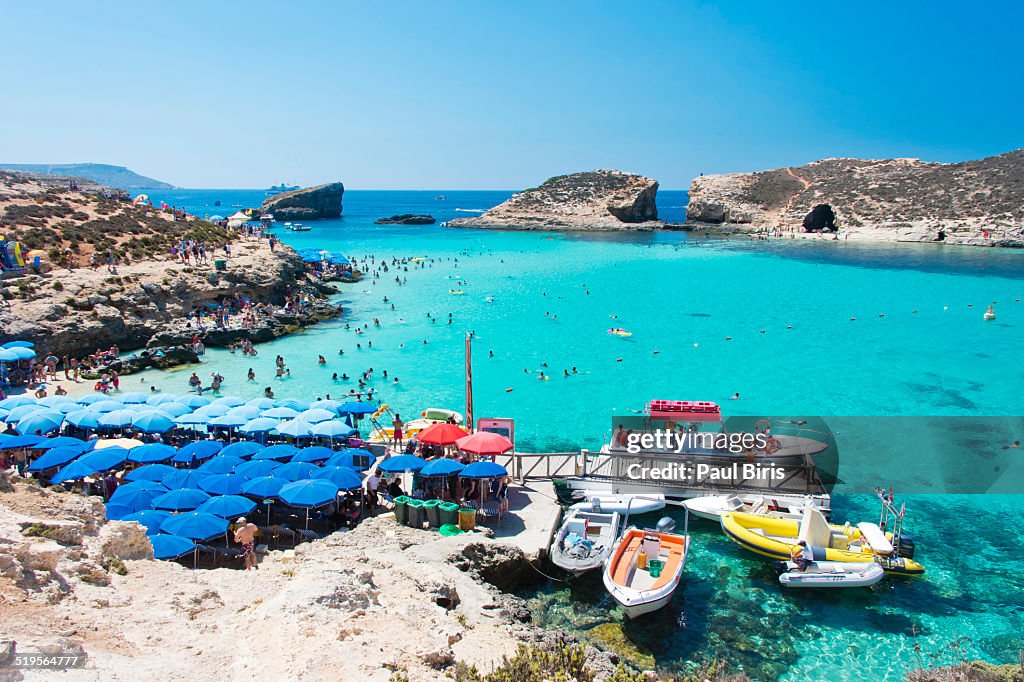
(308, 493)
(184, 478)
(151, 453)
(213, 410)
(259, 425)
(296, 471)
(54, 400)
(19, 344)
(180, 500)
(228, 421)
(293, 403)
(116, 512)
(315, 415)
(57, 457)
(333, 429)
(195, 525)
(172, 410)
(484, 470)
(60, 442)
(92, 399)
(150, 518)
(279, 452)
(153, 423)
(66, 408)
(140, 485)
(222, 484)
(16, 401)
(192, 418)
(295, 428)
(117, 419)
(220, 464)
(202, 449)
(105, 459)
(193, 401)
(171, 546)
(159, 399)
(3, 414)
(133, 398)
(317, 453)
(401, 464)
(26, 441)
(261, 403)
(22, 353)
(151, 472)
(264, 486)
(353, 458)
(229, 401)
(83, 419)
(104, 406)
(134, 499)
(280, 413)
(16, 414)
(343, 477)
(357, 408)
(227, 506)
(442, 467)
(256, 468)
(243, 449)
(73, 472)
(43, 422)
(331, 405)
(247, 411)
(7, 356)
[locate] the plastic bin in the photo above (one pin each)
(220, 264)
(654, 566)
(467, 518)
(449, 513)
(401, 508)
(433, 512)
(416, 515)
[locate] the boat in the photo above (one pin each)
(711, 507)
(277, 189)
(605, 502)
(830, 574)
(441, 197)
(430, 416)
(299, 227)
(990, 314)
(456, 292)
(864, 543)
(645, 568)
(585, 540)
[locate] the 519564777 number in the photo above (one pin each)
(43, 661)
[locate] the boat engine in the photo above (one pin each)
(595, 505)
(906, 547)
(666, 525)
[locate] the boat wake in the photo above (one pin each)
(472, 210)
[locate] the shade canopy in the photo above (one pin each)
(153, 422)
(343, 477)
(227, 506)
(135, 499)
(280, 452)
(195, 525)
(295, 471)
(184, 478)
(312, 492)
(441, 434)
(171, 546)
(222, 484)
(357, 408)
(315, 415)
(256, 468)
(442, 467)
(202, 449)
(264, 486)
(43, 423)
(180, 500)
(244, 449)
(333, 429)
(484, 470)
(57, 457)
(295, 428)
(259, 425)
(317, 453)
(151, 453)
(150, 472)
(25, 441)
(353, 458)
(484, 443)
(402, 463)
(83, 419)
(151, 519)
(221, 464)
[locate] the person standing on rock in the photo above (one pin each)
(245, 535)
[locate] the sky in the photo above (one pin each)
(493, 95)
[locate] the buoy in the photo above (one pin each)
(852, 319)
(695, 345)
(945, 307)
(508, 390)
(728, 338)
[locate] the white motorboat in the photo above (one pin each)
(645, 568)
(585, 540)
(830, 574)
(299, 227)
(712, 507)
(607, 502)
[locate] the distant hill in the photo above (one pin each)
(102, 173)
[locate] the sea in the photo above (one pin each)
(889, 337)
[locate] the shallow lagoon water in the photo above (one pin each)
(918, 347)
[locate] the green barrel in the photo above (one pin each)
(416, 515)
(401, 508)
(220, 264)
(433, 512)
(449, 513)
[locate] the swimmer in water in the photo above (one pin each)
(735, 396)
(252, 375)
(321, 360)
(1012, 446)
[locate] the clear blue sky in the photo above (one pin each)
(501, 95)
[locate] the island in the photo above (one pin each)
(322, 202)
(974, 202)
(100, 173)
(406, 219)
(592, 200)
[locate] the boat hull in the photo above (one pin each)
(635, 589)
(831, 574)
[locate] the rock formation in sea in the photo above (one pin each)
(311, 203)
(406, 219)
(894, 199)
(593, 200)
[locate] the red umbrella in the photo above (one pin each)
(484, 443)
(441, 434)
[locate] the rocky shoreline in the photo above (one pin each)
(359, 604)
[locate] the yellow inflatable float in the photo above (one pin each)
(776, 538)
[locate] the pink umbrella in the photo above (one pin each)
(484, 443)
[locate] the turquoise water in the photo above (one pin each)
(918, 346)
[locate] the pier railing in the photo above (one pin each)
(540, 465)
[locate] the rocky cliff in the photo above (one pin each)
(894, 199)
(312, 203)
(594, 200)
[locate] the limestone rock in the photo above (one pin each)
(40, 556)
(504, 566)
(64, 532)
(594, 200)
(406, 219)
(124, 540)
(311, 203)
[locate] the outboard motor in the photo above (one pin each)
(906, 547)
(666, 525)
(595, 505)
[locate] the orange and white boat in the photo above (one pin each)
(645, 568)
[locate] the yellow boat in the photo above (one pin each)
(775, 538)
